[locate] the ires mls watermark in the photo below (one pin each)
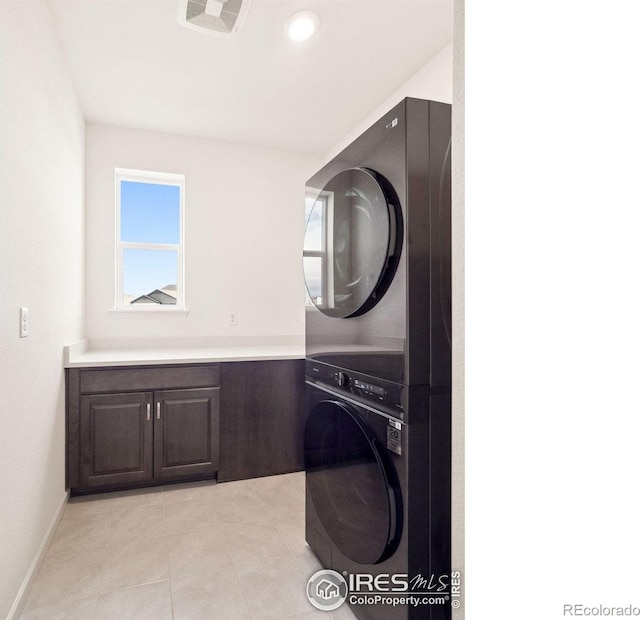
(600, 610)
(327, 589)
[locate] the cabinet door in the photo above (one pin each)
(262, 426)
(116, 439)
(186, 432)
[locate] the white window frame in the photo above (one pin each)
(161, 178)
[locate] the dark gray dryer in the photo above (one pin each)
(377, 250)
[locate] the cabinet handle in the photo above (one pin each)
(148, 411)
(158, 410)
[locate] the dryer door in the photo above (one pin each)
(352, 243)
(351, 484)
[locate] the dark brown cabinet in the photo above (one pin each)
(186, 433)
(141, 425)
(116, 438)
(262, 420)
(140, 437)
(144, 425)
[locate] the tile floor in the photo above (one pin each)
(196, 551)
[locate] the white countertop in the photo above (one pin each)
(81, 355)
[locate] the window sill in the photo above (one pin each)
(147, 313)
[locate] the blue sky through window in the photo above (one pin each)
(149, 214)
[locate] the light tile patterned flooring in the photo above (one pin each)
(193, 551)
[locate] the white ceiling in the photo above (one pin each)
(133, 65)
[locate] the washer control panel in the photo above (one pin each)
(363, 387)
(369, 388)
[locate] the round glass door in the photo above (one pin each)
(352, 243)
(350, 484)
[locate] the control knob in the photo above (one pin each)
(343, 379)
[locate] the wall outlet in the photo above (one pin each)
(233, 319)
(24, 322)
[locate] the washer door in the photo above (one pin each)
(351, 484)
(352, 243)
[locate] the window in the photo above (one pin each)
(149, 240)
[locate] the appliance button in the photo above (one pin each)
(343, 379)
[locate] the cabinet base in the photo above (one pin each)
(108, 488)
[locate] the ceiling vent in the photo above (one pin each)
(221, 18)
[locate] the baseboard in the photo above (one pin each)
(27, 584)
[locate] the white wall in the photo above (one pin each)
(433, 81)
(41, 258)
(244, 228)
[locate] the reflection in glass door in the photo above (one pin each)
(318, 254)
(352, 242)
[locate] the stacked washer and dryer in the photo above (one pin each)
(377, 262)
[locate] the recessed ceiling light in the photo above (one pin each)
(301, 25)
